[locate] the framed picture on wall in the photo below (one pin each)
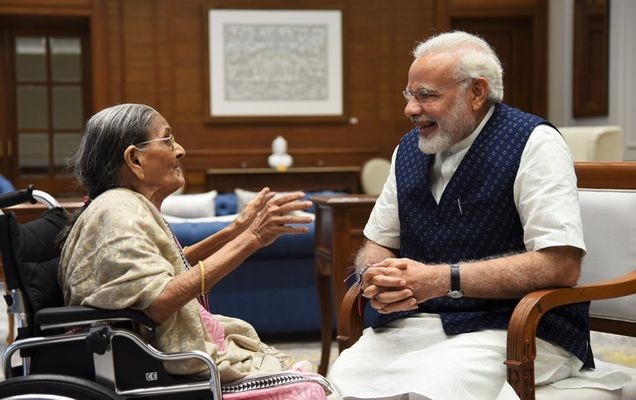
(274, 64)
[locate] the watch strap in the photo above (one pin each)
(455, 285)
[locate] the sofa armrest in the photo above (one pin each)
(521, 346)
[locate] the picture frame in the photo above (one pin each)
(275, 64)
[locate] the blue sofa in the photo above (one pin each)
(274, 289)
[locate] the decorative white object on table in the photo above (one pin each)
(279, 158)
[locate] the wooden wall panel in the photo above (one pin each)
(154, 52)
(590, 66)
(512, 40)
(46, 7)
(113, 42)
(402, 28)
(518, 32)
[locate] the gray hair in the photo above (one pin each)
(475, 59)
(108, 133)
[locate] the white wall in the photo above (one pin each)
(622, 65)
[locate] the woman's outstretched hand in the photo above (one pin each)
(248, 214)
(277, 217)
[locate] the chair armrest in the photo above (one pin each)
(351, 317)
(63, 317)
(521, 346)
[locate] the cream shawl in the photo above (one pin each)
(120, 253)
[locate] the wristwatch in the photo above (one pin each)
(455, 291)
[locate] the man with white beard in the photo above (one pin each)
(480, 208)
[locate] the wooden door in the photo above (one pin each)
(46, 78)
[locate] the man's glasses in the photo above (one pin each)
(423, 95)
(420, 95)
(169, 140)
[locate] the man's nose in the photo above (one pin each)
(412, 108)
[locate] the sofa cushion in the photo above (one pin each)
(226, 204)
(190, 205)
(245, 196)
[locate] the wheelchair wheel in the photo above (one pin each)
(54, 387)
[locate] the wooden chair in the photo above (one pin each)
(611, 279)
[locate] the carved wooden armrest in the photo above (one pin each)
(521, 347)
(351, 317)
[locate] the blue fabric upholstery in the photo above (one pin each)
(225, 204)
(5, 185)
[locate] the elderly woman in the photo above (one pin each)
(119, 252)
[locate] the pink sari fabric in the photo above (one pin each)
(301, 390)
(215, 329)
(295, 391)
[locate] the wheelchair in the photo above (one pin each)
(101, 357)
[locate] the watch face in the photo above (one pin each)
(455, 294)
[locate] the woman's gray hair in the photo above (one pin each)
(100, 155)
(475, 59)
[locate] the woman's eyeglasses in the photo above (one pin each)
(169, 140)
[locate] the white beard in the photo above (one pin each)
(437, 143)
(457, 125)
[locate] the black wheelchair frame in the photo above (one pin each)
(80, 352)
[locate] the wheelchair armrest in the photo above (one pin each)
(64, 317)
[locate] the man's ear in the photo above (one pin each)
(134, 161)
(479, 91)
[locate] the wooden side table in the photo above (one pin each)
(345, 179)
(340, 221)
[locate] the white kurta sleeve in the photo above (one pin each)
(383, 226)
(546, 194)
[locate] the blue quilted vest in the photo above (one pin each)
(476, 218)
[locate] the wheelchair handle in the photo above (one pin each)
(30, 195)
(45, 198)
